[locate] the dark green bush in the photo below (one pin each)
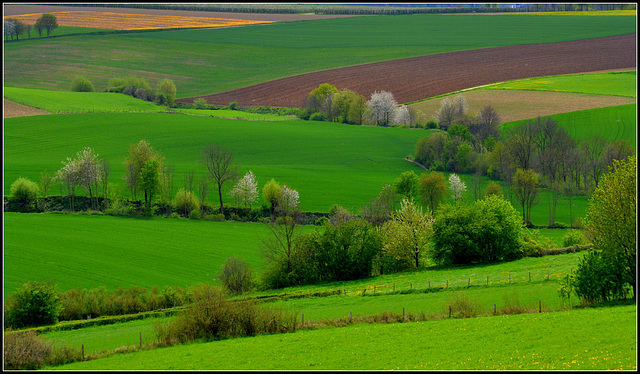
(487, 230)
(597, 278)
(33, 304)
(318, 116)
(82, 84)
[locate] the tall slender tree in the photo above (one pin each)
(219, 166)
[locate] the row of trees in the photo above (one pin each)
(537, 154)
(327, 103)
(15, 27)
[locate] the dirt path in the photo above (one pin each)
(421, 77)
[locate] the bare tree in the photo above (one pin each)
(218, 162)
(106, 170)
(594, 151)
(46, 180)
(188, 180)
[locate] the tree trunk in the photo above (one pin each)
(220, 195)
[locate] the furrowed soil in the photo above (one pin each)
(417, 78)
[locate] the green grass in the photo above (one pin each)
(79, 102)
(203, 62)
(235, 114)
(89, 251)
(327, 163)
(616, 122)
(588, 339)
(613, 83)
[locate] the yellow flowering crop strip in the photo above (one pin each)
(129, 21)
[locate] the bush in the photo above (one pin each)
(200, 103)
(25, 350)
(215, 217)
(303, 114)
(82, 84)
(431, 124)
(318, 116)
(237, 276)
(573, 237)
(195, 214)
(535, 246)
(185, 202)
(118, 208)
(167, 88)
(598, 278)
(24, 192)
(488, 230)
(34, 304)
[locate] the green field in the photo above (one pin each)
(79, 102)
(327, 163)
(616, 122)
(235, 114)
(588, 339)
(621, 83)
(203, 62)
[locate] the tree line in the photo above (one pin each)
(15, 27)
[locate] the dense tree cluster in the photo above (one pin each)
(14, 27)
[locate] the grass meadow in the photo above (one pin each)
(207, 61)
(586, 339)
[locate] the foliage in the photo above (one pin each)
(598, 278)
(451, 111)
(381, 107)
(406, 237)
(493, 189)
(573, 237)
(218, 164)
(321, 100)
(380, 208)
(82, 84)
(167, 88)
(271, 192)
(431, 189)
(24, 192)
(185, 202)
(47, 21)
(34, 304)
(611, 221)
(407, 184)
(339, 215)
(526, 187)
(487, 230)
(237, 276)
(142, 158)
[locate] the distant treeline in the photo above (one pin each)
(368, 9)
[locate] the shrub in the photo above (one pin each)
(219, 217)
(34, 304)
(167, 88)
(533, 245)
(318, 116)
(118, 208)
(82, 84)
(233, 105)
(463, 307)
(236, 276)
(303, 114)
(488, 230)
(598, 278)
(200, 103)
(573, 237)
(185, 202)
(24, 192)
(431, 124)
(195, 214)
(25, 350)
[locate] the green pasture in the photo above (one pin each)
(235, 114)
(209, 61)
(328, 163)
(587, 339)
(621, 83)
(89, 251)
(616, 122)
(79, 102)
(508, 283)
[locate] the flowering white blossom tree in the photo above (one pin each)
(457, 186)
(401, 116)
(288, 200)
(381, 107)
(246, 190)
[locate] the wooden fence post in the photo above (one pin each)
(529, 276)
(447, 283)
(494, 308)
(547, 274)
(509, 278)
(403, 314)
(350, 317)
(394, 287)
(449, 311)
(469, 283)
(140, 339)
(83, 352)
(487, 280)
(539, 306)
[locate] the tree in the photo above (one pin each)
(485, 231)
(185, 202)
(16, 27)
(381, 107)
(166, 89)
(24, 192)
(88, 169)
(139, 155)
(611, 218)
(68, 175)
(406, 184)
(9, 28)
(401, 116)
(322, 99)
(236, 276)
(219, 166)
(407, 234)
(46, 181)
(432, 188)
(82, 84)
(493, 189)
(379, 209)
(457, 187)
(246, 190)
(271, 193)
(48, 22)
(34, 304)
(521, 144)
(150, 181)
(526, 186)
(451, 111)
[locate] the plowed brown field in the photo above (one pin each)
(422, 77)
